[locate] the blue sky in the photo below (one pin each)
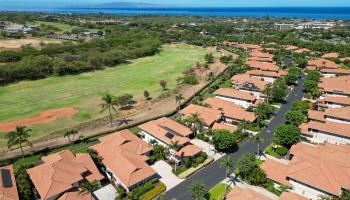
(206, 3)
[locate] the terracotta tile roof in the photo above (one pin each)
(262, 66)
(323, 63)
(129, 150)
(238, 193)
(316, 115)
(162, 127)
(326, 167)
(208, 115)
(335, 71)
(302, 50)
(248, 46)
(311, 68)
(329, 127)
(339, 100)
(260, 54)
(75, 195)
(259, 59)
(89, 164)
(291, 196)
(242, 80)
(231, 128)
(276, 74)
(331, 55)
(341, 113)
(304, 128)
(336, 84)
(276, 171)
(236, 94)
(61, 171)
(230, 110)
(8, 193)
(291, 47)
(127, 140)
(189, 150)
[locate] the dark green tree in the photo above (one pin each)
(287, 135)
(197, 190)
(223, 140)
(294, 117)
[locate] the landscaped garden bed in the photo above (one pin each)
(277, 151)
(193, 169)
(218, 191)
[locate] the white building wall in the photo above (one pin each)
(334, 105)
(256, 94)
(148, 137)
(322, 137)
(336, 94)
(337, 120)
(243, 103)
(266, 78)
(306, 191)
(326, 75)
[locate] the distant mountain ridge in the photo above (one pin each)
(122, 5)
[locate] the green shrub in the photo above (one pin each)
(156, 191)
(142, 189)
(199, 160)
(194, 164)
(191, 80)
(282, 151)
(187, 162)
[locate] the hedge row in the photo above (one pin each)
(156, 191)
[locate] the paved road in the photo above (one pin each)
(213, 174)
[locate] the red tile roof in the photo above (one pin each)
(9, 193)
(328, 126)
(60, 171)
(323, 63)
(316, 115)
(189, 150)
(124, 154)
(238, 193)
(331, 55)
(336, 71)
(262, 66)
(230, 110)
(208, 115)
(161, 127)
(325, 167)
(276, 74)
(291, 196)
(340, 113)
(339, 100)
(244, 79)
(339, 84)
(231, 128)
(236, 94)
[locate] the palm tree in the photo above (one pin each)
(109, 104)
(71, 132)
(268, 91)
(226, 163)
(19, 137)
(258, 139)
(178, 99)
(206, 67)
(195, 121)
(174, 146)
(89, 188)
(243, 125)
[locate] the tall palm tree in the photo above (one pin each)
(226, 163)
(19, 137)
(69, 133)
(195, 121)
(174, 145)
(178, 99)
(109, 103)
(258, 139)
(206, 67)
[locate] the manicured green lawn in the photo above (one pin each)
(83, 91)
(62, 26)
(218, 191)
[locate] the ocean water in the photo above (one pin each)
(296, 12)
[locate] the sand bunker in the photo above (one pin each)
(42, 118)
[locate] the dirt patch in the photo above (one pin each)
(17, 43)
(41, 118)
